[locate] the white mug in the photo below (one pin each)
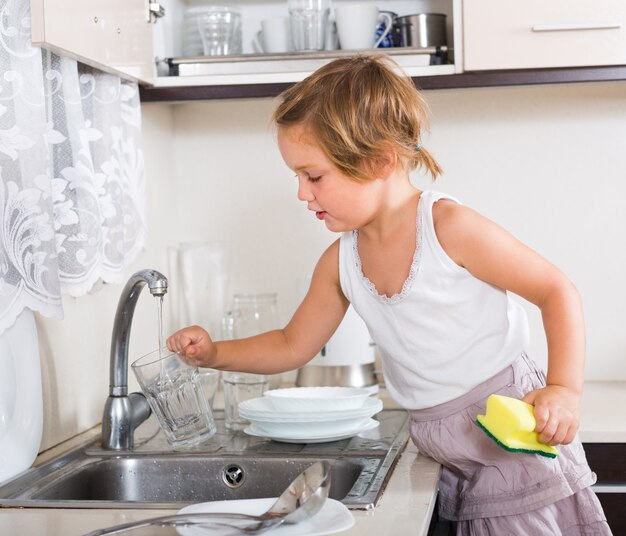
(274, 36)
(356, 25)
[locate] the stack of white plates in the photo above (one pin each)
(311, 414)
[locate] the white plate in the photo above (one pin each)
(333, 517)
(297, 429)
(317, 398)
(261, 409)
(312, 438)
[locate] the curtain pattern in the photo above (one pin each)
(72, 179)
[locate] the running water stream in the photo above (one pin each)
(160, 333)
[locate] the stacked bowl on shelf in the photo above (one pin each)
(311, 414)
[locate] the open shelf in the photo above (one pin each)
(429, 82)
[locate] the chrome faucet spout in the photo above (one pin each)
(123, 412)
(118, 373)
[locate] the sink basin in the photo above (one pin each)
(180, 481)
(231, 466)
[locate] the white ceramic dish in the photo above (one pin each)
(333, 517)
(369, 424)
(317, 398)
(261, 409)
(307, 429)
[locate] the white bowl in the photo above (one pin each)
(317, 398)
(260, 409)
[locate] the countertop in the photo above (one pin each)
(404, 509)
(602, 413)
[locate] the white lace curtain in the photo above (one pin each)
(72, 195)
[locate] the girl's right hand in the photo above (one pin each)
(194, 345)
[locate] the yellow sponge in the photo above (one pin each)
(511, 424)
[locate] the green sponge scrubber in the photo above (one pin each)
(511, 424)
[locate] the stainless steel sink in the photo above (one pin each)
(229, 466)
(188, 480)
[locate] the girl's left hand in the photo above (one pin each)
(556, 412)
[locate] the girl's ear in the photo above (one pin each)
(385, 163)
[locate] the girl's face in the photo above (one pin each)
(341, 202)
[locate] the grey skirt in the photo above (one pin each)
(483, 484)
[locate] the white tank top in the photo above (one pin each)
(446, 331)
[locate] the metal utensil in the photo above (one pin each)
(303, 498)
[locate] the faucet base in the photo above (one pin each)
(122, 414)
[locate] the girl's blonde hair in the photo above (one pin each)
(359, 108)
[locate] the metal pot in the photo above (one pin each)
(347, 359)
(422, 30)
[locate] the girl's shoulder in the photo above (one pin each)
(446, 208)
(453, 224)
(329, 260)
(451, 216)
(447, 212)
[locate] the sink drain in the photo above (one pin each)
(233, 475)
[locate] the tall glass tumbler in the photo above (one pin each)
(177, 398)
(220, 30)
(203, 271)
(239, 387)
(252, 314)
(309, 24)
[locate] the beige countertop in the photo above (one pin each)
(602, 418)
(406, 505)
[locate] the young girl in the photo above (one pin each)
(429, 277)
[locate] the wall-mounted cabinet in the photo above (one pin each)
(489, 42)
(126, 41)
(115, 35)
(508, 34)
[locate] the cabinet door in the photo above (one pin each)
(514, 34)
(608, 461)
(111, 35)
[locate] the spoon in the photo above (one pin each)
(303, 498)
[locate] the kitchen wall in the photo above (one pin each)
(548, 163)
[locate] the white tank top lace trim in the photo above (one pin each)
(413, 270)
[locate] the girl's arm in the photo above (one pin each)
(495, 256)
(313, 323)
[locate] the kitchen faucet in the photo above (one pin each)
(123, 412)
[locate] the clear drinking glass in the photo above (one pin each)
(252, 314)
(209, 379)
(203, 272)
(309, 23)
(220, 30)
(176, 395)
(238, 387)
